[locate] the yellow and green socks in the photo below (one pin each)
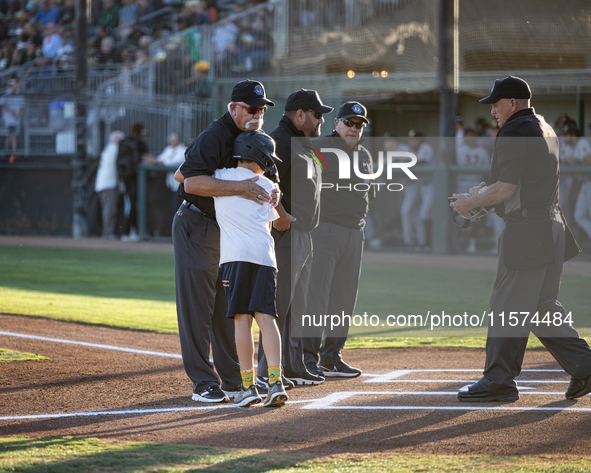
(247, 378)
(274, 374)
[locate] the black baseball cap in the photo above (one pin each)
(508, 88)
(250, 92)
(353, 109)
(305, 99)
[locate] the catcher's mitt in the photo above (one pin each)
(467, 219)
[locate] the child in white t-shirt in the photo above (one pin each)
(249, 267)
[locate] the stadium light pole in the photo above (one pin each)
(79, 177)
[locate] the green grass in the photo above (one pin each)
(136, 291)
(73, 455)
(9, 355)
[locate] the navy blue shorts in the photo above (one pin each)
(249, 288)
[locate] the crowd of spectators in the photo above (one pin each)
(120, 31)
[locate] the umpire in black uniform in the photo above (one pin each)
(532, 250)
(200, 300)
(338, 241)
(299, 212)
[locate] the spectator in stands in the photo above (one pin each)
(30, 31)
(582, 156)
(6, 55)
(128, 16)
(108, 19)
(68, 13)
(145, 42)
(224, 39)
(47, 13)
(26, 53)
(145, 7)
(204, 84)
(66, 52)
(257, 46)
(108, 53)
(13, 108)
(107, 186)
(52, 42)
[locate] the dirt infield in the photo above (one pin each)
(394, 407)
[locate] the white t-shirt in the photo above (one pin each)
(106, 174)
(244, 225)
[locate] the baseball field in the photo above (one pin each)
(91, 377)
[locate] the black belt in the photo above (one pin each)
(193, 207)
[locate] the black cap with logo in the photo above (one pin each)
(508, 88)
(353, 109)
(251, 93)
(305, 99)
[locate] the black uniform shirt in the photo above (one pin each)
(342, 206)
(211, 150)
(305, 204)
(526, 154)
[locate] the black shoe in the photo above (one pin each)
(314, 369)
(304, 379)
(210, 394)
(340, 369)
(231, 391)
(263, 381)
(578, 388)
(474, 393)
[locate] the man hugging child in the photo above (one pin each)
(249, 267)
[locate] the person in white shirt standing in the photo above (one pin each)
(173, 155)
(107, 184)
(12, 104)
(249, 266)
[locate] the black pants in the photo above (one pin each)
(530, 291)
(201, 302)
(334, 280)
(294, 261)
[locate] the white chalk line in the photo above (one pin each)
(323, 403)
(92, 345)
